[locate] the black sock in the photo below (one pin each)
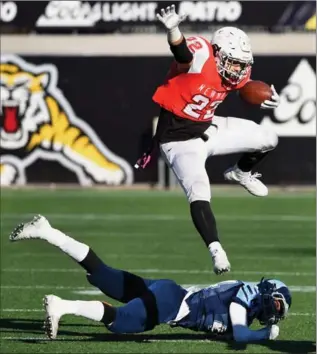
(91, 262)
(109, 314)
(249, 160)
(204, 221)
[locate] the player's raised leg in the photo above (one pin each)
(115, 283)
(229, 135)
(187, 160)
(40, 228)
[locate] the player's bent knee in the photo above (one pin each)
(195, 197)
(139, 315)
(130, 318)
(199, 190)
(271, 140)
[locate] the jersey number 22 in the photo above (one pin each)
(194, 110)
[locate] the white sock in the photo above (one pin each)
(214, 246)
(93, 310)
(77, 250)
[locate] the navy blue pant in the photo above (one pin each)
(148, 302)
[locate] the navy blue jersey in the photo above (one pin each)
(201, 308)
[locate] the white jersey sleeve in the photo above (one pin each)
(240, 329)
(201, 52)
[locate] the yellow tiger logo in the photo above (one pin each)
(37, 119)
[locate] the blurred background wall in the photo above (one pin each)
(77, 79)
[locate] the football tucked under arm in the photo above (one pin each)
(176, 40)
(241, 331)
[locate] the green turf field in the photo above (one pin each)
(151, 233)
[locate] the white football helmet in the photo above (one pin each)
(233, 54)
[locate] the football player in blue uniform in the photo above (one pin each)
(226, 308)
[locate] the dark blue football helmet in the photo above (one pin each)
(275, 299)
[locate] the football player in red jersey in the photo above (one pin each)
(188, 132)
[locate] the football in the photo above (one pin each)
(255, 92)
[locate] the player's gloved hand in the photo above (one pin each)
(274, 332)
(170, 18)
(273, 102)
(220, 324)
(218, 328)
(143, 161)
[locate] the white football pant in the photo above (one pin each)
(227, 135)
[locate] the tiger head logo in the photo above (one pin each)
(35, 117)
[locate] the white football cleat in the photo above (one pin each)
(219, 258)
(247, 180)
(52, 306)
(30, 230)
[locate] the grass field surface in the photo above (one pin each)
(150, 233)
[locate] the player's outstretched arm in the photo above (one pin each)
(176, 40)
(241, 331)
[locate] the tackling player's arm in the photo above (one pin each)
(240, 329)
(176, 40)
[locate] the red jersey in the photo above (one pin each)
(196, 93)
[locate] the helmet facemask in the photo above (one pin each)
(274, 309)
(233, 70)
(273, 303)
